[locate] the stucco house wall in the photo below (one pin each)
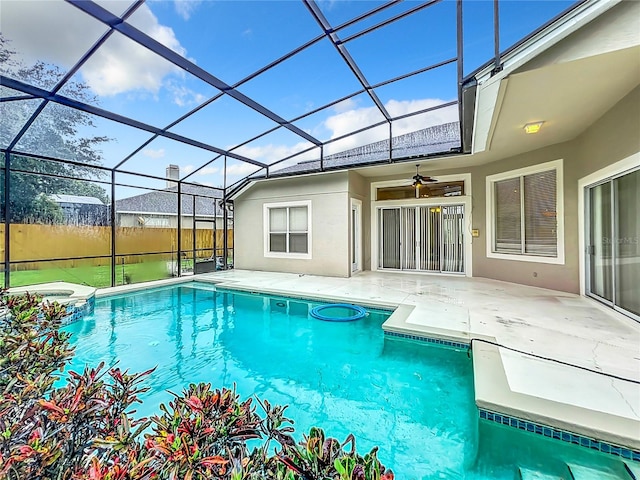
(359, 189)
(610, 139)
(329, 197)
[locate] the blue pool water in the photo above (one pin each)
(415, 401)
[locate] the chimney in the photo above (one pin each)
(173, 175)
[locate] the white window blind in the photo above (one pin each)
(540, 223)
(525, 215)
(289, 229)
(278, 229)
(508, 235)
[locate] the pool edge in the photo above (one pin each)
(499, 400)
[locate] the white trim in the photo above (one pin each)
(556, 165)
(613, 170)
(357, 205)
(243, 190)
(465, 200)
(265, 230)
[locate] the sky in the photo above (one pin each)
(233, 39)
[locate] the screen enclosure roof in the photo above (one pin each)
(230, 89)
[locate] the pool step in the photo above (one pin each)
(579, 472)
(527, 474)
(633, 469)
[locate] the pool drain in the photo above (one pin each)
(338, 312)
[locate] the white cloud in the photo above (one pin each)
(183, 96)
(185, 8)
(347, 120)
(151, 153)
(241, 169)
(247, 33)
(60, 34)
(51, 33)
(418, 122)
(327, 5)
(208, 171)
(345, 105)
(351, 120)
(122, 65)
(187, 169)
(271, 153)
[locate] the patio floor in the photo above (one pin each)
(555, 325)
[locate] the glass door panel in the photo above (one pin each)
(430, 239)
(600, 239)
(409, 237)
(389, 247)
(452, 238)
(426, 238)
(627, 243)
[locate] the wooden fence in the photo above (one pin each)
(34, 242)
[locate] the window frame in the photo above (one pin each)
(267, 229)
(491, 180)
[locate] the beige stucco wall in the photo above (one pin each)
(329, 196)
(359, 187)
(612, 138)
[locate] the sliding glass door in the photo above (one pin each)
(613, 245)
(426, 238)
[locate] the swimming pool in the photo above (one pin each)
(415, 401)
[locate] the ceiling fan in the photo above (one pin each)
(419, 180)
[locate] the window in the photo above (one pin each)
(523, 212)
(439, 189)
(287, 230)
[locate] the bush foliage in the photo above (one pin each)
(86, 429)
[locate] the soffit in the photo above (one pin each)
(569, 97)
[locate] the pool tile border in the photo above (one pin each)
(437, 341)
(78, 312)
(529, 426)
(558, 434)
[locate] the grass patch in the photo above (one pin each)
(98, 277)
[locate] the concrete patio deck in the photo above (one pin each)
(556, 325)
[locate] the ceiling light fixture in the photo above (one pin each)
(533, 127)
(419, 180)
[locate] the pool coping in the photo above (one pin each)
(75, 293)
(600, 431)
(493, 397)
(493, 394)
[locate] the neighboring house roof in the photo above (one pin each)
(166, 202)
(63, 198)
(428, 141)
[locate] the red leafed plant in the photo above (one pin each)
(85, 430)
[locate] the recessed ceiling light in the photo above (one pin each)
(533, 127)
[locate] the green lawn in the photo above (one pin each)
(96, 276)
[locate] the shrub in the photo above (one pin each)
(86, 430)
